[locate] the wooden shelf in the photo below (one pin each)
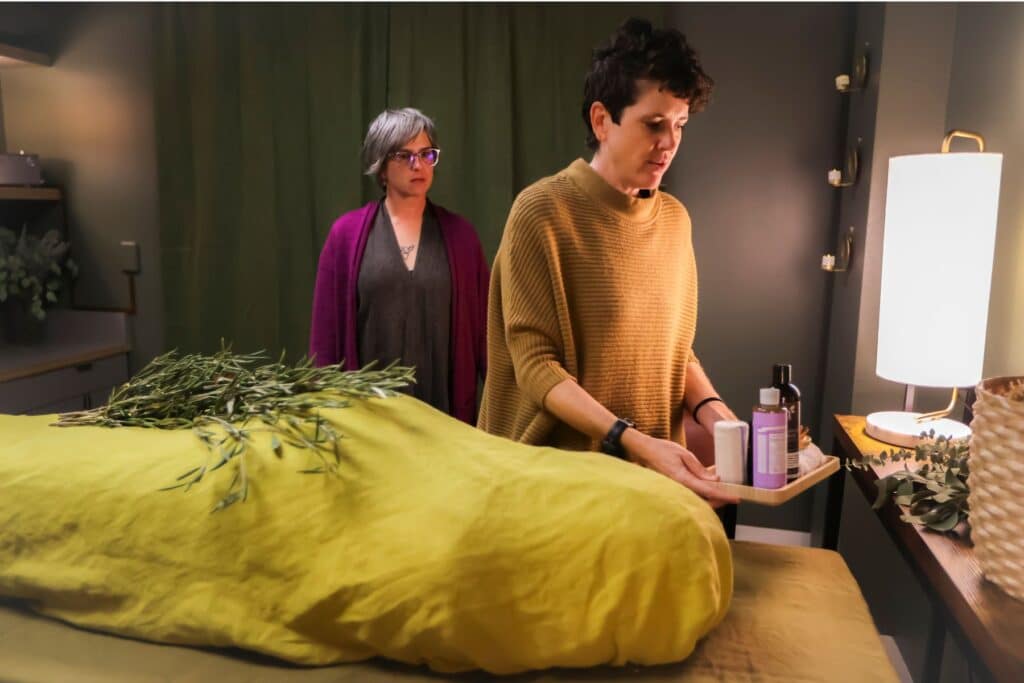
(30, 193)
(75, 357)
(12, 55)
(72, 338)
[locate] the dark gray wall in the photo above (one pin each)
(844, 313)
(751, 171)
(902, 113)
(910, 119)
(986, 94)
(90, 118)
(940, 66)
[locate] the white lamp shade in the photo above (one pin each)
(940, 227)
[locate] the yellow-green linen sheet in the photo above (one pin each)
(435, 544)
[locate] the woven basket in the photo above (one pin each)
(996, 484)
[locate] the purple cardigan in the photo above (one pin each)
(333, 334)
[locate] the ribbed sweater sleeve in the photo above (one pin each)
(529, 276)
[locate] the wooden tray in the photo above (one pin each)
(773, 497)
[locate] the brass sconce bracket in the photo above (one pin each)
(846, 83)
(830, 263)
(848, 176)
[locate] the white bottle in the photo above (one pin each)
(731, 437)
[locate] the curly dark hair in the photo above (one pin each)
(638, 51)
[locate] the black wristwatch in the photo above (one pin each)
(612, 441)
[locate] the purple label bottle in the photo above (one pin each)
(769, 441)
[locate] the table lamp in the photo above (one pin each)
(940, 228)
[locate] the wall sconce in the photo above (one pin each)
(940, 228)
(846, 83)
(848, 176)
(829, 262)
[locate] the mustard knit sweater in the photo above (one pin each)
(597, 286)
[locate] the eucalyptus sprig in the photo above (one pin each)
(936, 492)
(226, 398)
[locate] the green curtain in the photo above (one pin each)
(261, 112)
(504, 84)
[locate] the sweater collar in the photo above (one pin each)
(635, 209)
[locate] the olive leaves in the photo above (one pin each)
(227, 399)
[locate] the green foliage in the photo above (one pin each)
(226, 398)
(32, 269)
(935, 493)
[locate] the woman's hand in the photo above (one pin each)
(570, 403)
(675, 462)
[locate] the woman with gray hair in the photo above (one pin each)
(403, 278)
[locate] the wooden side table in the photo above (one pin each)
(84, 356)
(986, 622)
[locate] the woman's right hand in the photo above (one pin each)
(675, 462)
(570, 403)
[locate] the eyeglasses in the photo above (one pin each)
(428, 156)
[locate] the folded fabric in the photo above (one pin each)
(436, 543)
(811, 458)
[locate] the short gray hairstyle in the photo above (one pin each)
(389, 131)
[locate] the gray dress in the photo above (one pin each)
(403, 314)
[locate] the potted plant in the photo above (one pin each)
(32, 274)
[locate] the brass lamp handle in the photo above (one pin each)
(948, 140)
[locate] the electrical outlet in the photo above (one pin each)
(129, 257)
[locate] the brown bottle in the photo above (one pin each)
(790, 401)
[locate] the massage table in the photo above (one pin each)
(797, 614)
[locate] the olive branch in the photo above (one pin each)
(227, 398)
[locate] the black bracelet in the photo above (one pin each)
(700, 405)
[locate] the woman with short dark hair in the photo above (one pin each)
(593, 301)
(402, 278)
